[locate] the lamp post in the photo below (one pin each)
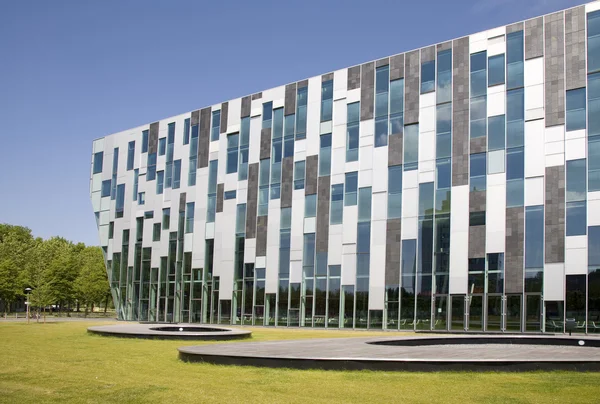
(28, 291)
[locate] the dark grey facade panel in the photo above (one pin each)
(323, 197)
(395, 149)
(367, 91)
(224, 113)
(252, 200)
(312, 171)
(554, 240)
(287, 182)
(392, 251)
(153, 138)
(195, 118)
(290, 99)
(204, 137)
(257, 96)
(220, 193)
(246, 107)
(575, 64)
(428, 54)
(412, 87)
(554, 68)
(265, 143)
(477, 201)
(460, 111)
(478, 145)
(302, 84)
(477, 241)
(514, 27)
(261, 236)
(382, 62)
(444, 46)
(397, 67)
(353, 78)
(534, 38)
(326, 77)
(513, 260)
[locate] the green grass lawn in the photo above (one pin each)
(60, 362)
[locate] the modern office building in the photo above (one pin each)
(456, 186)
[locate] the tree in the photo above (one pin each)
(15, 245)
(92, 284)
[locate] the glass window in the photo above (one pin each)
(186, 131)
(496, 162)
(310, 205)
(337, 204)
(496, 132)
(594, 246)
(326, 100)
(443, 173)
(301, 102)
(444, 129)
(534, 237)
(244, 149)
(216, 126)
(576, 181)
(576, 109)
(515, 163)
(299, 174)
(496, 68)
(576, 218)
(106, 186)
(478, 117)
(381, 131)
(230, 195)
(189, 217)
(151, 172)
(162, 146)
(351, 188)
(594, 104)
(176, 174)
(514, 60)
(594, 164)
(352, 131)
(514, 193)
(98, 160)
(515, 114)
(477, 218)
(397, 97)
(478, 74)
(141, 198)
(478, 170)
(160, 182)
(325, 155)
(411, 147)
(166, 218)
(426, 196)
(145, 141)
(267, 114)
(444, 76)
(232, 153)
(156, 232)
(130, 155)
(593, 48)
(364, 204)
(277, 123)
(427, 77)
(136, 177)
(395, 192)
(120, 200)
(240, 219)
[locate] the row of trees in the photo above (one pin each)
(60, 273)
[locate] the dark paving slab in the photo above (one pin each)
(170, 331)
(369, 353)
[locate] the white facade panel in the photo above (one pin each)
(535, 163)
(495, 219)
(554, 282)
(534, 191)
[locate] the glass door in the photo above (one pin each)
(513, 313)
(457, 321)
(494, 313)
(475, 313)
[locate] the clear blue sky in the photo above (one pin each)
(73, 71)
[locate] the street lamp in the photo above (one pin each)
(28, 291)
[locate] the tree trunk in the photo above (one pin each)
(77, 306)
(44, 315)
(92, 307)
(105, 304)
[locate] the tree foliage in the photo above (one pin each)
(58, 271)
